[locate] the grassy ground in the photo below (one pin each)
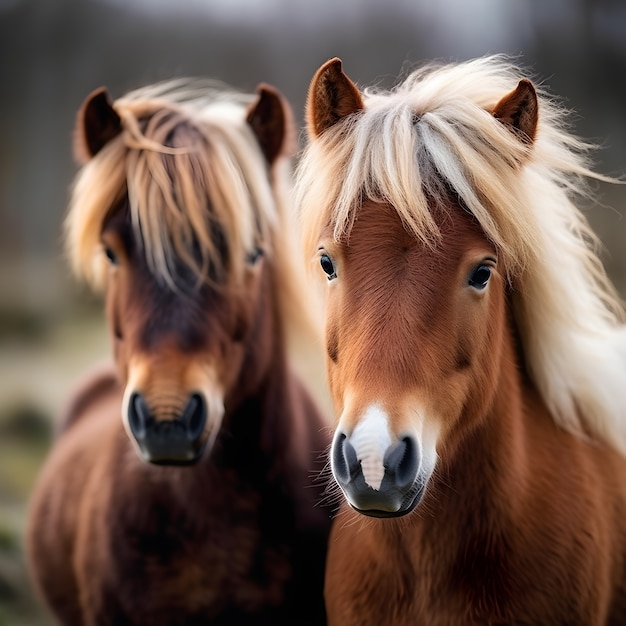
(24, 437)
(39, 362)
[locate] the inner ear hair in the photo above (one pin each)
(519, 110)
(271, 120)
(96, 124)
(332, 96)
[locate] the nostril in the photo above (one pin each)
(138, 415)
(402, 460)
(344, 459)
(339, 465)
(194, 416)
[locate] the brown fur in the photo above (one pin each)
(522, 521)
(237, 538)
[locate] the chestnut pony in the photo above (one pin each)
(203, 511)
(476, 354)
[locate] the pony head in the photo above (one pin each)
(440, 215)
(174, 213)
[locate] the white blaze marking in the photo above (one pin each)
(371, 439)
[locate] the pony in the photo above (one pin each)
(179, 490)
(476, 353)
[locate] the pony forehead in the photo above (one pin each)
(430, 138)
(189, 163)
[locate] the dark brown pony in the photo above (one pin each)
(476, 355)
(204, 511)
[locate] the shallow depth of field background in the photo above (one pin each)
(54, 52)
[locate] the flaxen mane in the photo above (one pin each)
(433, 135)
(185, 157)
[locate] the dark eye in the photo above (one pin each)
(480, 277)
(110, 255)
(328, 266)
(254, 256)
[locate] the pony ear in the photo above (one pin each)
(96, 124)
(332, 96)
(271, 120)
(519, 110)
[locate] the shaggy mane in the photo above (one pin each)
(185, 158)
(435, 132)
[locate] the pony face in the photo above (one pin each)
(412, 335)
(416, 299)
(182, 257)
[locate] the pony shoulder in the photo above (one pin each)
(96, 384)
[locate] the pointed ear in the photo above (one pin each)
(519, 110)
(332, 96)
(96, 124)
(272, 122)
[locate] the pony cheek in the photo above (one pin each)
(240, 331)
(119, 346)
(462, 407)
(114, 303)
(120, 359)
(335, 386)
(233, 369)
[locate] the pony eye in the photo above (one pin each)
(254, 256)
(110, 255)
(328, 266)
(480, 277)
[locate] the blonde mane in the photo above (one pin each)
(185, 158)
(434, 133)
(190, 166)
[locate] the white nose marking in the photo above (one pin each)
(371, 439)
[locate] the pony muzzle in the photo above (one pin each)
(397, 489)
(176, 441)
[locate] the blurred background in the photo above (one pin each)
(54, 52)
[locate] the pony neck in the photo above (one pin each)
(260, 405)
